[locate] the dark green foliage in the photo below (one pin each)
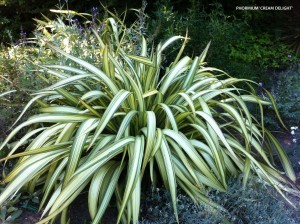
(238, 45)
(258, 204)
(9, 211)
(30, 202)
(223, 31)
(262, 51)
(286, 90)
(17, 16)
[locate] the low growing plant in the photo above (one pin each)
(257, 204)
(132, 120)
(9, 210)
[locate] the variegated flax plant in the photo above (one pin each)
(107, 128)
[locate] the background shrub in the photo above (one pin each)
(17, 15)
(18, 62)
(285, 88)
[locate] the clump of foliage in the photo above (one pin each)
(257, 204)
(124, 118)
(262, 51)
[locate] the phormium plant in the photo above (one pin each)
(105, 127)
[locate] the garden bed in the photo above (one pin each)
(268, 207)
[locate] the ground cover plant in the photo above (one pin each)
(115, 122)
(258, 204)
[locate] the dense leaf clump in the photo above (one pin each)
(131, 120)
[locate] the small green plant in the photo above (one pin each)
(9, 210)
(131, 119)
(30, 202)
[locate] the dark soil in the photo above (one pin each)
(78, 214)
(28, 217)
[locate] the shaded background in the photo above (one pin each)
(16, 15)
